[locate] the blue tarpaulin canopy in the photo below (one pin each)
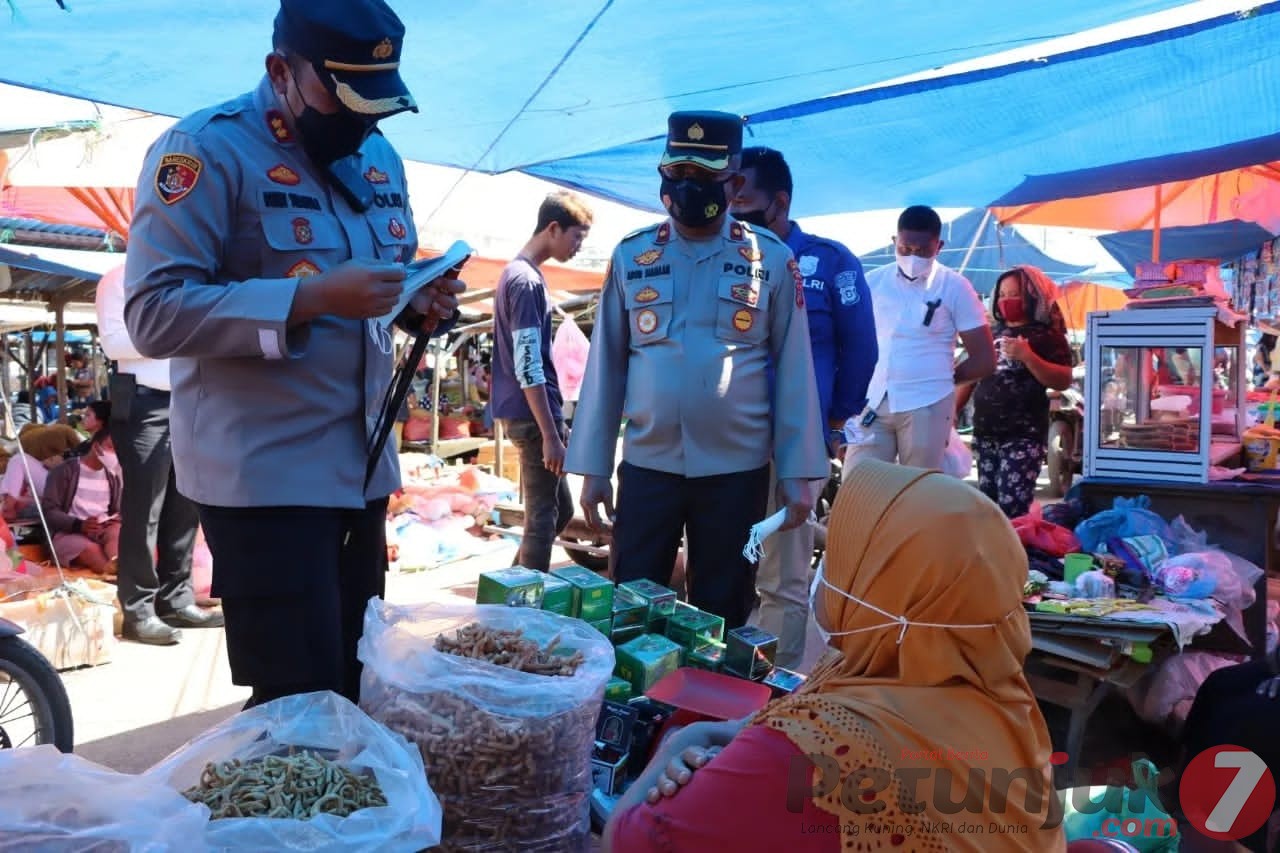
(1186, 102)
(504, 86)
(994, 251)
(1224, 241)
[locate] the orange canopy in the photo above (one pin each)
(1078, 298)
(1236, 194)
(481, 276)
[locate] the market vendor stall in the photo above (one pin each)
(1117, 590)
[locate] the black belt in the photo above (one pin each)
(148, 391)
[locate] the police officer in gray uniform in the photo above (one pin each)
(692, 312)
(270, 235)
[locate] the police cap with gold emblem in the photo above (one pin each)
(706, 139)
(354, 46)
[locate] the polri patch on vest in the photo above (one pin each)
(373, 176)
(746, 293)
(282, 174)
(396, 228)
(742, 320)
(847, 284)
(646, 322)
(647, 295)
(302, 230)
(278, 126)
(751, 253)
(648, 257)
(808, 264)
(176, 176)
(302, 269)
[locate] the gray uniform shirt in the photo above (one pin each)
(230, 216)
(684, 335)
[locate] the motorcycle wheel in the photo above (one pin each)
(1059, 460)
(33, 703)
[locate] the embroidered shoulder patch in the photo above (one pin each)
(176, 177)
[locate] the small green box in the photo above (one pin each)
(617, 690)
(690, 626)
(629, 609)
(749, 652)
(557, 595)
(625, 634)
(604, 626)
(709, 655)
(660, 600)
(514, 587)
(646, 660)
(592, 594)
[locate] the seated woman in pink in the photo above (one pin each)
(919, 732)
(82, 505)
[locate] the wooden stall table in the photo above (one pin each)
(1076, 661)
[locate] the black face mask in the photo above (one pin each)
(327, 137)
(758, 218)
(694, 203)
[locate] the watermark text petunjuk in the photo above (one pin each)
(985, 794)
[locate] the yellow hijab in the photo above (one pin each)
(932, 549)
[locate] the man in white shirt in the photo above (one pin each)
(920, 307)
(156, 595)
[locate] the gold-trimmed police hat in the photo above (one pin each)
(706, 139)
(354, 46)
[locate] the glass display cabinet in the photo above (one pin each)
(1165, 393)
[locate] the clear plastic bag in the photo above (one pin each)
(508, 752)
(957, 460)
(331, 726)
(55, 803)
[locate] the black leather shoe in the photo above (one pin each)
(194, 617)
(152, 631)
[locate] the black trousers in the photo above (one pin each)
(155, 520)
(548, 503)
(294, 584)
(655, 508)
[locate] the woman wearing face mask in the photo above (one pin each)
(82, 505)
(924, 688)
(1010, 407)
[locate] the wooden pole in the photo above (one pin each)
(1155, 228)
(31, 370)
(60, 348)
(4, 371)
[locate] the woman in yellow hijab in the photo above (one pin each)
(921, 734)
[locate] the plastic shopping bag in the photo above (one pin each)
(958, 458)
(569, 349)
(509, 752)
(331, 726)
(1088, 816)
(1035, 532)
(55, 803)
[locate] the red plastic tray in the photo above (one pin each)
(710, 694)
